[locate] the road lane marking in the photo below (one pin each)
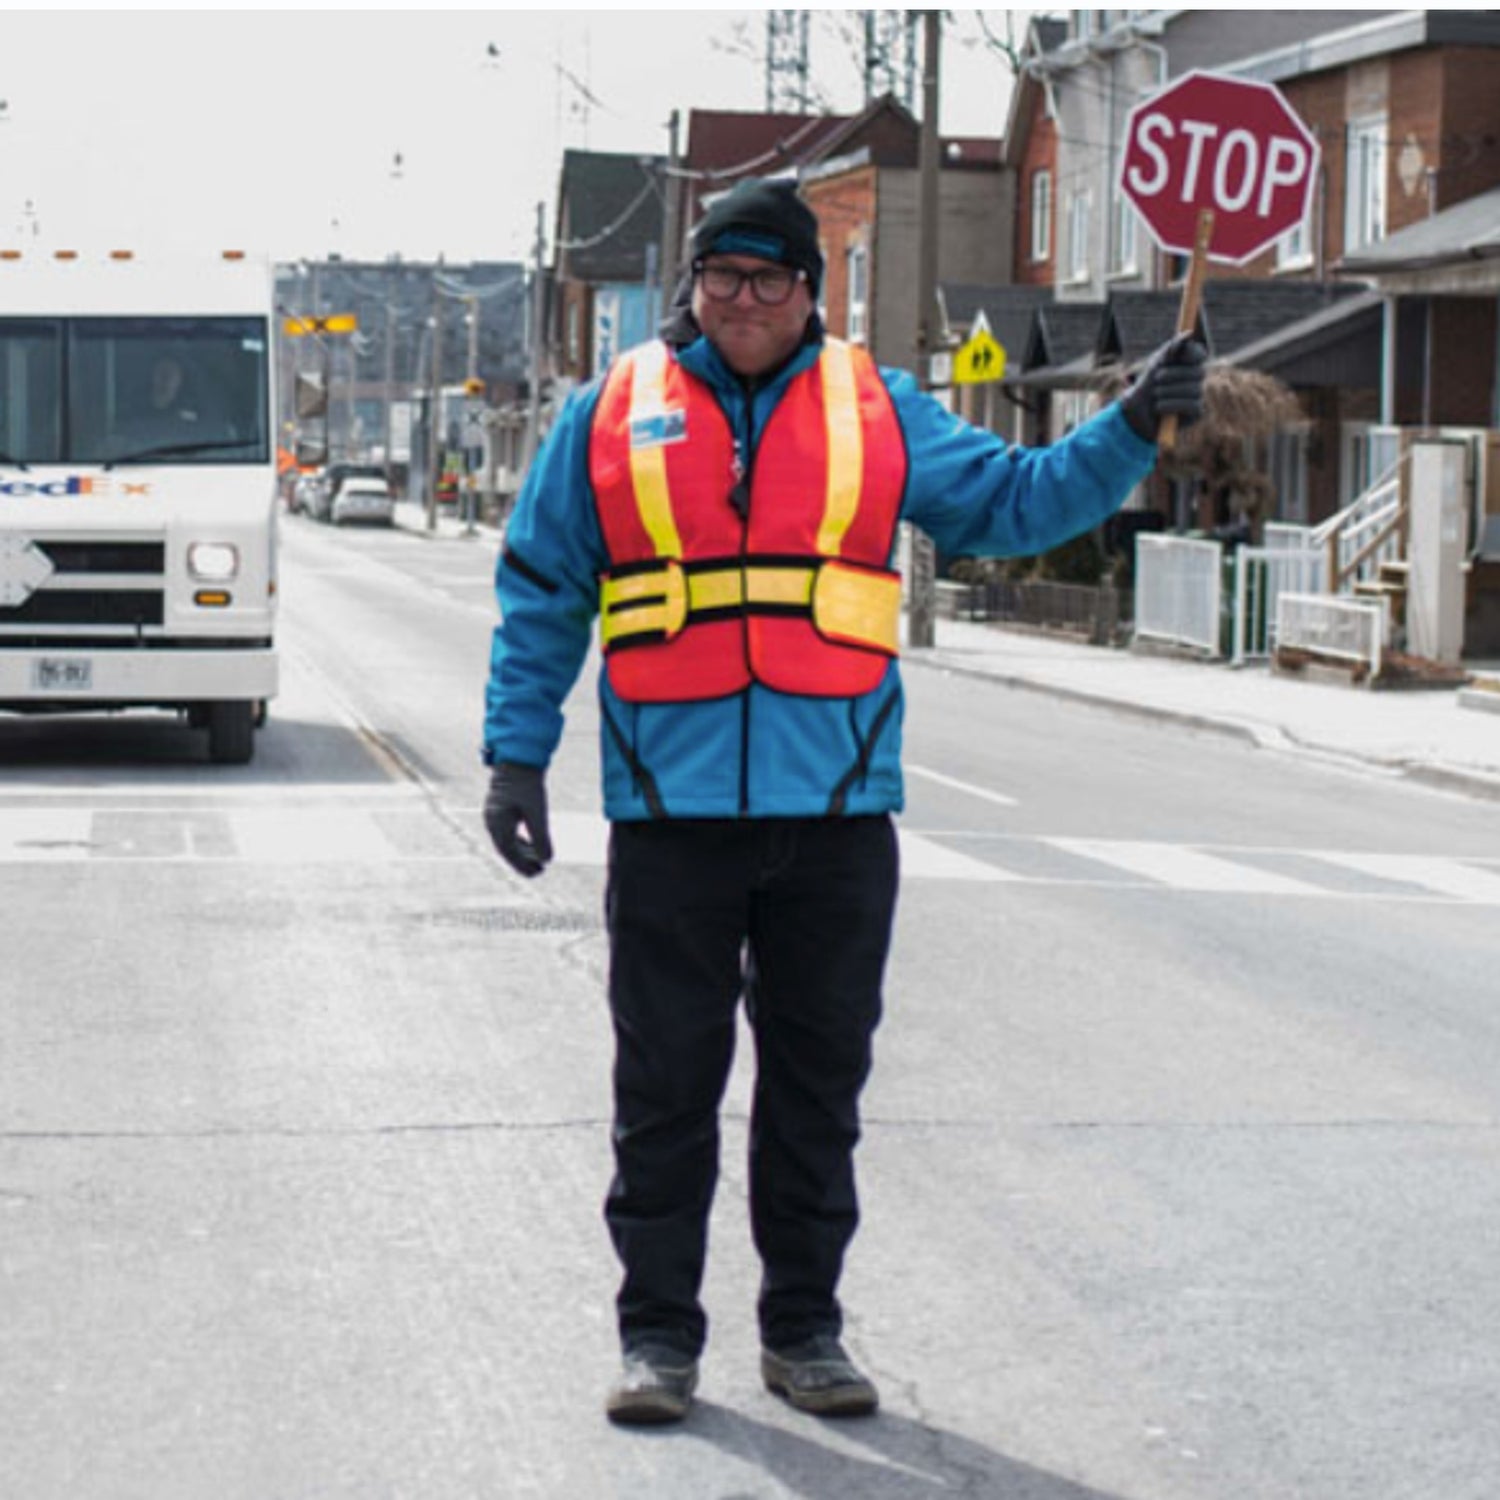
(967, 787)
(1448, 877)
(1186, 869)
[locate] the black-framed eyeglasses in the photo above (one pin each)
(769, 285)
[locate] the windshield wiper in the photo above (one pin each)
(15, 463)
(177, 450)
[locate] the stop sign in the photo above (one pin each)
(1222, 143)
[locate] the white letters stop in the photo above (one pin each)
(1236, 172)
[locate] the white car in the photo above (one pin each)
(364, 500)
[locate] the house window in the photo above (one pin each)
(1364, 182)
(1079, 208)
(857, 267)
(1041, 215)
(1288, 468)
(1123, 236)
(1295, 249)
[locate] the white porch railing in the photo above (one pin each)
(1366, 533)
(1333, 625)
(1178, 590)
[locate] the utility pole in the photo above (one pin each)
(671, 228)
(538, 308)
(471, 317)
(922, 607)
(435, 407)
(390, 380)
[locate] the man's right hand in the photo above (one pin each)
(518, 798)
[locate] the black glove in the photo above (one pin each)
(517, 796)
(1170, 384)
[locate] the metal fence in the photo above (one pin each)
(1179, 591)
(1261, 576)
(1098, 613)
(1332, 625)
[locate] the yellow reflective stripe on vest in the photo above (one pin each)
(648, 465)
(786, 584)
(849, 604)
(864, 608)
(846, 451)
(655, 600)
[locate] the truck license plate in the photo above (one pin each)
(62, 674)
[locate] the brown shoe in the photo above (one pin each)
(655, 1385)
(817, 1376)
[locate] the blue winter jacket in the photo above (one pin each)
(763, 754)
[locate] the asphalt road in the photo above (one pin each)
(1180, 1170)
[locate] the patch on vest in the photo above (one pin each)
(659, 429)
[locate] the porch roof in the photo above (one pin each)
(1008, 310)
(1339, 344)
(1456, 250)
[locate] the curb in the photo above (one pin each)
(447, 531)
(1486, 699)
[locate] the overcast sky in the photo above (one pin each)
(279, 130)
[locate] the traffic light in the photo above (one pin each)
(473, 386)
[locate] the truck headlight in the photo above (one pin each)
(215, 562)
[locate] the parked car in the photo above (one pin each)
(367, 500)
(307, 494)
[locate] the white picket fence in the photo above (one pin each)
(1261, 576)
(1333, 625)
(1178, 591)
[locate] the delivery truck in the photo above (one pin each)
(138, 490)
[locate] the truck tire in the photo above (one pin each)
(231, 733)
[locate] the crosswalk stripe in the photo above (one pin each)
(344, 837)
(1186, 869)
(388, 833)
(1448, 877)
(967, 787)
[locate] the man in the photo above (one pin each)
(726, 501)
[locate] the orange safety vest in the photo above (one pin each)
(799, 596)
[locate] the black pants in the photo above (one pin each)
(795, 913)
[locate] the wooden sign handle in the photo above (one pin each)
(1187, 314)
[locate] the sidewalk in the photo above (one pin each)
(1436, 736)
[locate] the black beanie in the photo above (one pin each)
(764, 218)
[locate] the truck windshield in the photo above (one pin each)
(189, 390)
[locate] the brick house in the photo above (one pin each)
(606, 291)
(864, 189)
(1408, 123)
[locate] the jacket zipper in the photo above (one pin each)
(747, 460)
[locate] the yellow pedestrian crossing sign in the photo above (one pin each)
(980, 358)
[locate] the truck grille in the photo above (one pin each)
(106, 586)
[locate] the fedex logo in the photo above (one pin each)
(74, 484)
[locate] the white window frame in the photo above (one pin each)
(1080, 212)
(1364, 181)
(1125, 237)
(1041, 215)
(1294, 250)
(857, 280)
